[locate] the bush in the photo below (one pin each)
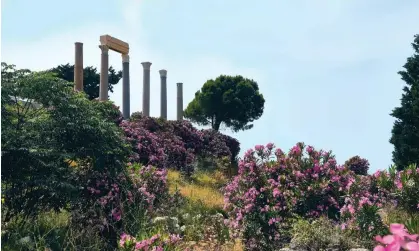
(320, 234)
(46, 127)
(394, 214)
(267, 192)
(362, 203)
(175, 144)
(358, 165)
(403, 185)
(123, 204)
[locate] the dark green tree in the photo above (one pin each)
(405, 133)
(232, 100)
(91, 78)
(46, 126)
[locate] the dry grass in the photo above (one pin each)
(203, 187)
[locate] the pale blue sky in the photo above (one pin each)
(327, 68)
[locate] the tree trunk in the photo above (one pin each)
(216, 124)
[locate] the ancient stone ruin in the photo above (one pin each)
(110, 43)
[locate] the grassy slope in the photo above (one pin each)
(203, 192)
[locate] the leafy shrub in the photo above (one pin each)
(394, 214)
(48, 231)
(320, 234)
(267, 192)
(46, 126)
(404, 185)
(362, 203)
(125, 203)
(358, 165)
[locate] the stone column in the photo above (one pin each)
(163, 94)
(146, 88)
(179, 101)
(104, 77)
(125, 86)
(78, 67)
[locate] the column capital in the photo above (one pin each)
(78, 43)
(104, 48)
(125, 58)
(179, 84)
(146, 65)
(163, 73)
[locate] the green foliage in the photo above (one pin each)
(46, 126)
(48, 231)
(370, 223)
(397, 215)
(321, 234)
(91, 78)
(232, 100)
(405, 132)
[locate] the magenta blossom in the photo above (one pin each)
(400, 239)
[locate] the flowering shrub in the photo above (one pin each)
(155, 243)
(320, 234)
(404, 185)
(125, 202)
(175, 144)
(268, 191)
(399, 239)
(214, 144)
(362, 202)
(148, 147)
(358, 165)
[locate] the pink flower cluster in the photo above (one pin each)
(142, 187)
(398, 240)
(404, 185)
(272, 186)
(155, 243)
(362, 193)
(174, 144)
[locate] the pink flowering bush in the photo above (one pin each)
(399, 239)
(358, 165)
(154, 243)
(403, 185)
(273, 186)
(362, 203)
(125, 203)
(148, 147)
(174, 144)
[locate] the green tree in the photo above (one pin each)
(46, 127)
(405, 133)
(91, 78)
(232, 100)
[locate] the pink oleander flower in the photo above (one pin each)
(399, 239)
(399, 184)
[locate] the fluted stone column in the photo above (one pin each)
(125, 86)
(163, 94)
(78, 67)
(146, 88)
(104, 77)
(179, 101)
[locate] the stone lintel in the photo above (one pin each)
(115, 44)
